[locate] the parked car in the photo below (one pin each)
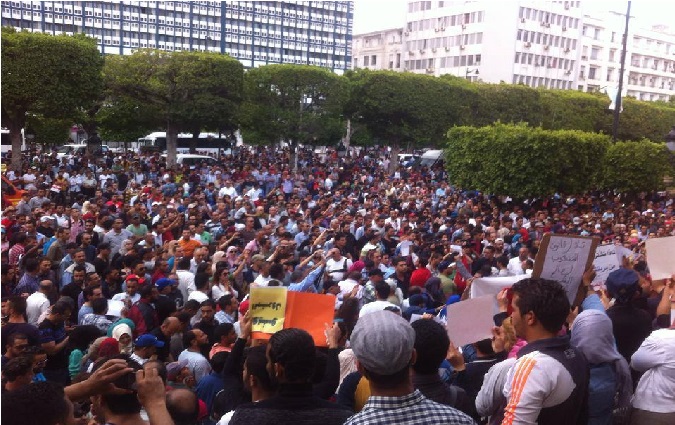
(70, 150)
(192, 160)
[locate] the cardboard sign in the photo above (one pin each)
(310, 312)
(661, 257)
(280, 309)
(268, 309)
(492, 285)
(564, 259)
(471, 320)
(607, 259)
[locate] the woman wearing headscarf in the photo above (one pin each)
(123, 334)
(610, 375)
(433, 288)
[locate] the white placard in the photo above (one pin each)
(492, 285)
(607, 259)
(471, 320)
(661, 257)
(564, 259)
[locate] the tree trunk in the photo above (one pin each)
(17, 142)
(171, 143)
(393, 161)
(193, 142)
(293, 150)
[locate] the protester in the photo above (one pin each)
(143, 249)
(549, 382)
(384, 346)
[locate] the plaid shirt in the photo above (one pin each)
(98, 320)
(411, 409)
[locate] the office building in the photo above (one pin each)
(650, 58)
(379, 50)
(551, 44)
(255, 32)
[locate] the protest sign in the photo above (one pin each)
(564, 259)
(661, 257)
(607, 259)
(492, 285)
(456, 248)
(471, 320)
(268, 309)
(276, 308)
(310, 312)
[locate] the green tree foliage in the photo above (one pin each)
(46, 75)
(400, 109)
(125, 119)
(574, 110)
(644, 120)
(636, 166)
(521, 161)
(48, 131)
(182, 90)
(293, 104)
(507, 103)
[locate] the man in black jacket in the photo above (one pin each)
(291, 358)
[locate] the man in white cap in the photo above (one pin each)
(383, 343)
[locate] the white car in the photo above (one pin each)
(68, 151)
(193, 160)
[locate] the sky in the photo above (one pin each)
(373, 15)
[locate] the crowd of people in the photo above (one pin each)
(125, 296)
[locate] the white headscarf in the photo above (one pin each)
(117, 333)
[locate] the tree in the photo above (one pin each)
(183, 90)
(520, 161)
(295, 104)
(46, 75)
(636, 166)
(402, 109)
(48, 131)
(126, 119)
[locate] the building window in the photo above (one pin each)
(366, 60)
(591, 73)
(595, 52)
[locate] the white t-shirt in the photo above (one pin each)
(197, 364)
(261, 281)
(338, 269)
(123, 296)
(36, 304)
(378, 305)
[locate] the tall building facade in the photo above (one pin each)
(552, 44)
(530, 42)
(650, 58)
(379, 50)
(255, 32)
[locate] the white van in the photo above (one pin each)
(430, 158)
(192, 160)
(70, 150)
